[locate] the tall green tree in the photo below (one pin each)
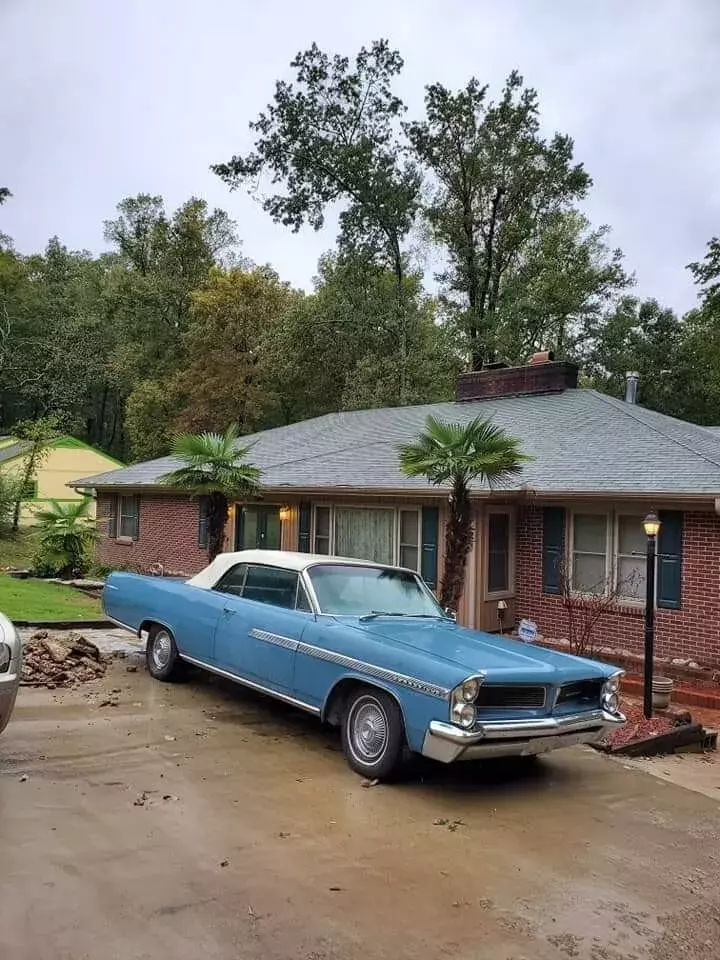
(645, 338)
(457, 454)
(350, 322)
(228, 375)
(331, 137)
(213, 465)
(37, 436)
(498, 206)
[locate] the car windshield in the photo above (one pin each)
(342, 589)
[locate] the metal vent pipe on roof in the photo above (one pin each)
(631, 387)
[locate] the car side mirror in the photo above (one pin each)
(450, 613)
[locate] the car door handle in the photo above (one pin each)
(228, 612)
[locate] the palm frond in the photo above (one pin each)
(213, 463)
(456, 452)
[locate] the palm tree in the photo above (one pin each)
(456, 454)
(213, 467)
(67, 532)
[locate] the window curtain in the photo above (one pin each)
(365, 534)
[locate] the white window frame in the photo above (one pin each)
(609, 547)
(136, 513)
(396, 510)
(636, 601)
(613, 516)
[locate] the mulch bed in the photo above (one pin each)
(637, 727)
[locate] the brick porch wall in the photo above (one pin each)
(691, 632)
(168, 535)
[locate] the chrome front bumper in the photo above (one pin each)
(516, 738)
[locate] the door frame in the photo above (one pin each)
(263, 510)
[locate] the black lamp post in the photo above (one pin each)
(651, 526)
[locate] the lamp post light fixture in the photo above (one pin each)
(651, 526)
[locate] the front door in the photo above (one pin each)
(257, 528)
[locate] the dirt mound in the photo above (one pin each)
(60, 660)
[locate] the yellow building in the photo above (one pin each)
(66, 459)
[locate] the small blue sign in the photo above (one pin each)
(527, 631)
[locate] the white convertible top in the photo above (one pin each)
(286, 559)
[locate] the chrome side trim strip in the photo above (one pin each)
(379, 673)
(252, 686)
(275, 638)
(124, 626)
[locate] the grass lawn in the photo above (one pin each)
(17, 550)
(37, 600)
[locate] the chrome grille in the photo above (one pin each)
(582, 691)
(511, 696)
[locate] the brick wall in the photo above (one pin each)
(691, 632)
(168, 535)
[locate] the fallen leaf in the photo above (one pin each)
(440, 822)
(168, 737)
(139, 801)
(283, 836)
(224, 863)
(169, 796)
(23, 777)
(370, 783)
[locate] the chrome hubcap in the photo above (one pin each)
(161, 649)
(368, 730)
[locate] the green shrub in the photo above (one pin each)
(67, 535)
(9, 488)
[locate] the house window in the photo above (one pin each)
(498, 576)
(382, 534)
(128, 516)
(322, 530)
(409, 539)
(365, 533)
(590, 553)
(203, 522)
(630, 567)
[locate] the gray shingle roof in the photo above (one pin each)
(581, 441)
(12, 450)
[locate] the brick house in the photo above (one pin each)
(332, 485)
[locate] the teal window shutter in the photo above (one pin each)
(112, 519)
(553, 548)
(304, 528)
(669, 560)
(429, 540)
(136, 534)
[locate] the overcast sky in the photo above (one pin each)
(102, 99)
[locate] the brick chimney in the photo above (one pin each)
(542, 374)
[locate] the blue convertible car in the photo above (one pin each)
(367, 648)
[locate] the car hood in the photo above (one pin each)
(501, 658)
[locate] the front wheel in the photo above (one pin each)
(373, 735)
(163, 659)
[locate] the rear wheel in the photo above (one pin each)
(163, 660)
(373, 735)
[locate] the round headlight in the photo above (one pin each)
(612, 684)
(5, 657)
(469, 690)
(611, 702)
(464, 714)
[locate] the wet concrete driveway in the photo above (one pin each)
(202, 822)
